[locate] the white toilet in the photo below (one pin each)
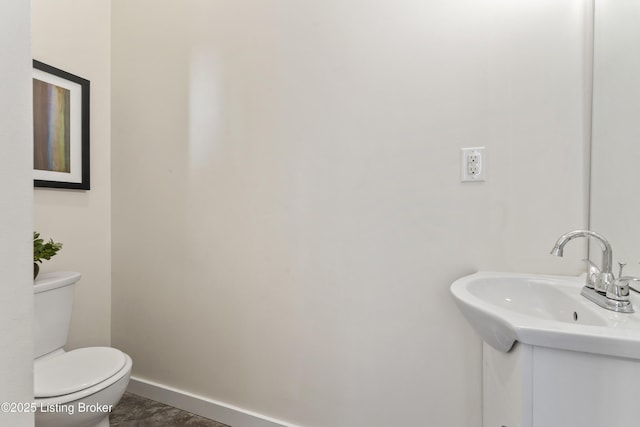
(78, 388)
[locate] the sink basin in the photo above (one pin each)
(545, 311)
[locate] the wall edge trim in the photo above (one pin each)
(199, 405)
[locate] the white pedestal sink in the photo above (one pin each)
(551, 358)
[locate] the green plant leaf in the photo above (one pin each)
(41, 250)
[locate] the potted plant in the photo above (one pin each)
(42, 250)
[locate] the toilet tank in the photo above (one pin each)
(53, 301)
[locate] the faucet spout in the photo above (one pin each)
(600, 286)
(607, 252)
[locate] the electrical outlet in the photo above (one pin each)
(472, 164)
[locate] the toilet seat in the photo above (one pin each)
(76, 370)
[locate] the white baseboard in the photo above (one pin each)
(208, 408)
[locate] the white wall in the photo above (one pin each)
(76, 37)
(287, 211)
(16, 293)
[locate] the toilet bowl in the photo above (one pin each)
(78, 388)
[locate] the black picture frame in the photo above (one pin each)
(60, 128)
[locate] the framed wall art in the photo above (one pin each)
(60, 128)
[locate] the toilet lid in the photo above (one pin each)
(75, 370)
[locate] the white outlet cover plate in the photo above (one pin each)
(464, 166)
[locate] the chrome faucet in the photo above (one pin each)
(597, 279)
(601, 287)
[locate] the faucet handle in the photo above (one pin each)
(619, 290)
(621, 264)
(593, 274)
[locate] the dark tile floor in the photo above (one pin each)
(137, 411)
